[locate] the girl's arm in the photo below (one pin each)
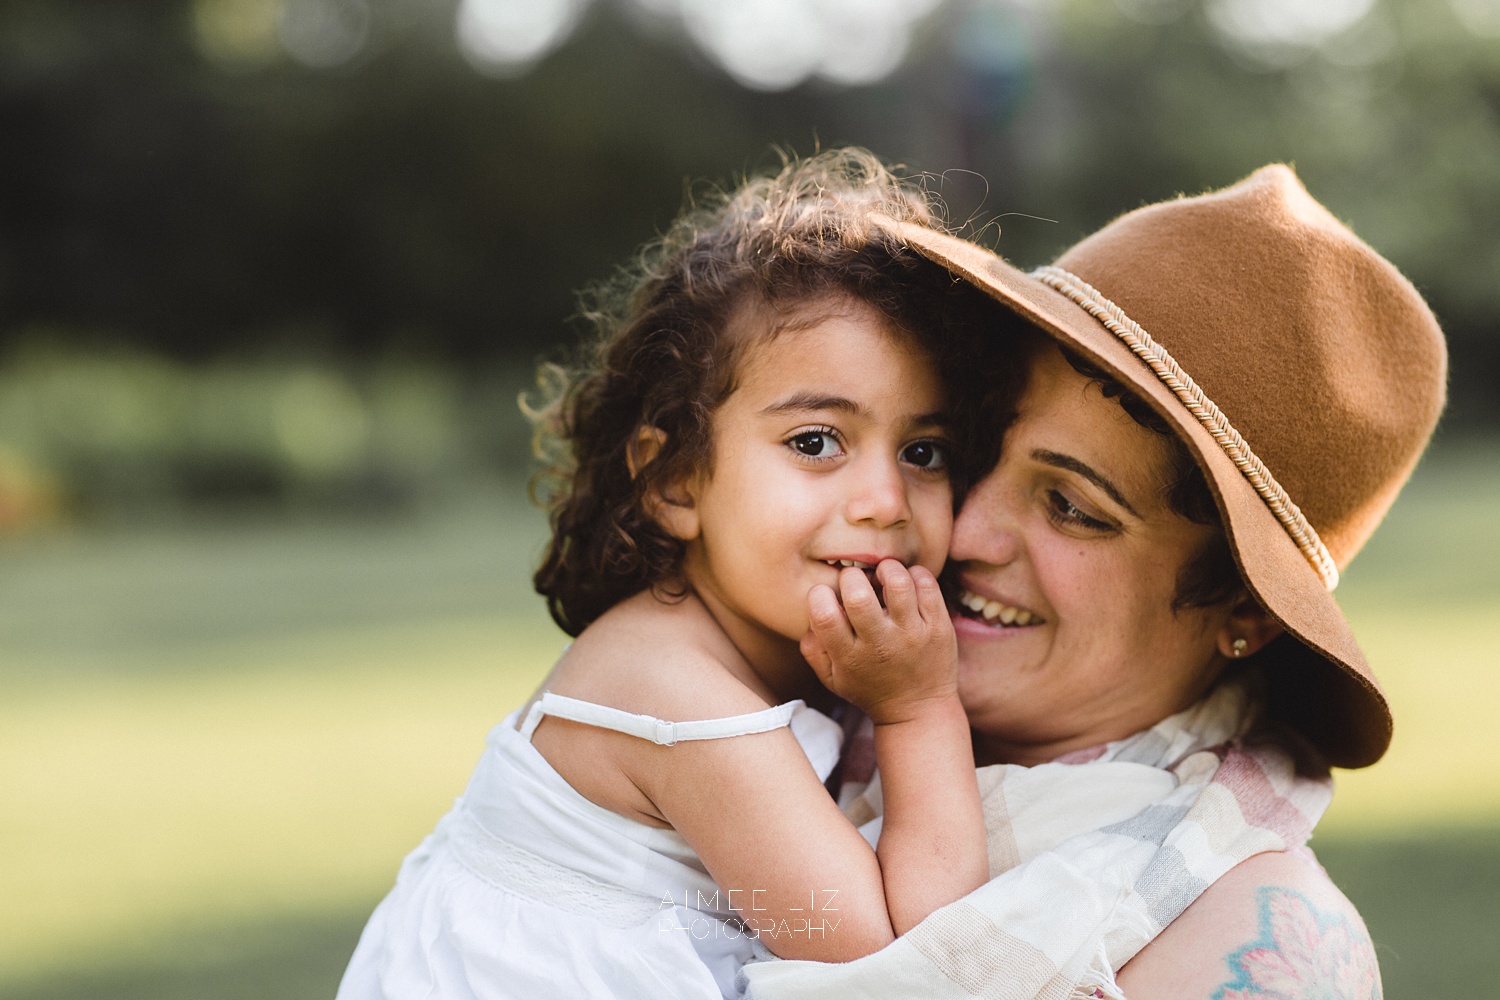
(751, 807)
(757, 814)
(899, 664)
(799, 874)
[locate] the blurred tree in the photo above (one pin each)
(229, 177)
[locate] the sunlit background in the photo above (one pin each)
(272, 273)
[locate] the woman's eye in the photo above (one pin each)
(815, 444)
(926, 455)
(1067, 512)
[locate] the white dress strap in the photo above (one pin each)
(658, 731)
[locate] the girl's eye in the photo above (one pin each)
(931, 455)
(1067, 513)
(820, 443)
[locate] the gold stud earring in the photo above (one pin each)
(1238, 647)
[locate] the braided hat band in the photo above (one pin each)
(1210, 416)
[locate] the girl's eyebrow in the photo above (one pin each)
(1072, 464)
(812, 401)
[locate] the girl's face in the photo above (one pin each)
(1067, 560)
(831, 449)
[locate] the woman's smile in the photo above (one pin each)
(978, 608)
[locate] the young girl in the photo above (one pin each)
(771, 415)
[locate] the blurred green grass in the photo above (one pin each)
(217, 739)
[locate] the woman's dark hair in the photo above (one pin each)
(1210, 577)
(663, 358)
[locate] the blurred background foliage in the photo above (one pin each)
(201, 201)
(272, 273)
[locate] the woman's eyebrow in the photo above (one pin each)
(1072, 464)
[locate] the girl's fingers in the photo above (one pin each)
(900, 593)
(816, 655)
(860, 602)
(930, 602)
(826, 618)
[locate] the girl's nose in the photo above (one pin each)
(985, 529)
(880, 497)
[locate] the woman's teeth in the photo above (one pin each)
(994, 611)
(848, 562)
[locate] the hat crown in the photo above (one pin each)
(1318, 351)
(1301, 369)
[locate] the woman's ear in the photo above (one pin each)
(1248, 629)
(674, 506)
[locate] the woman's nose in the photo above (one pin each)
(879, 497)
(984, 531)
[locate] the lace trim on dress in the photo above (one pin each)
(515, 869)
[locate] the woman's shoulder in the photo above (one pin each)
(1275, 926)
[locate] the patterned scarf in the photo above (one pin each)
(1091, 856)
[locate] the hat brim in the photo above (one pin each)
(1320, 683)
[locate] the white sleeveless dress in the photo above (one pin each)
(528, 890)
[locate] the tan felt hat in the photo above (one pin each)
(1303, 371)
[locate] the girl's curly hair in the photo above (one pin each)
(662, 358)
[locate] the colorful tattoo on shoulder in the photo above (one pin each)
(1302, 954)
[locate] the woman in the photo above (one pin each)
(1150, 652)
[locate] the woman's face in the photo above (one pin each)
(1065, 560)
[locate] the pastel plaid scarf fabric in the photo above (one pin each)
(1091, 856)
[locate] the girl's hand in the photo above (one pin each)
(900, 664)
(895, 661)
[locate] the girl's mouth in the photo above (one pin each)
(867, 568)
(971, 605)
(842, 563)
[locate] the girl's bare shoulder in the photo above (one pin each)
(665, 658)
